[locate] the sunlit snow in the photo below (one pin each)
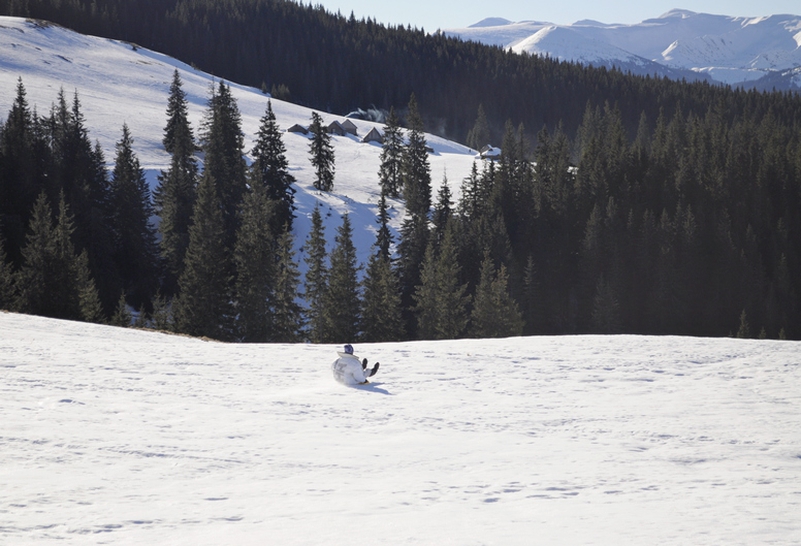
(117, 436)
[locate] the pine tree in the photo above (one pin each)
(161, 315)
(287, 312)
(203, 305)
(316, 280)
(175, 195)
(606, 309)
(254, 257)
(744, 331)
(390, 173)
(342, 300)
(441, 302)
(443, 210)
(54, 281)
(6, 278)
(414, 240)
(384, 236)
(381, 308)
(122, 316)
(177, 131)
(136, 250)
(79, 171)
(416, 168)
(19, 184)
(322, 155)
(223, 142)
(495, 313)
(479, 135)
(88, 296)
(533, 303)
(469, 203)
(270, 169)
(35, 280)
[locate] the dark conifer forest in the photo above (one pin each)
(619, 204)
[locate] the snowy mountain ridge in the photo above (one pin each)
(747, 51)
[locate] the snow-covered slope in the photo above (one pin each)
(117, 436)
(679, 44)
(121, 83)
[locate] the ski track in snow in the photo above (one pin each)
(117, 436)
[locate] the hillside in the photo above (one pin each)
(127, 437)
(118, 83)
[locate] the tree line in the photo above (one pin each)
(692, 227)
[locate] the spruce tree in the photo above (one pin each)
(89, 303)
(390, 173)
(270, 169)
(174, 196)
(287, 324)
(495, 313)
(203, 306)
(443, 210)
(161, 315)
(469, 203)
(54, 281)
(177, 131)
(479, 135)
(6, 278)
(322, 155)
(414, 240)
(316, 279)
(383, 241)
(223, 142)
(381, 318)
(605, 309)
(19, 185)
(532, 299)
(136, 250)
(79, 171)
(122, 315)
(254, 257)
(35, 280)
(342, 305)
(416, 168)
(441, 302)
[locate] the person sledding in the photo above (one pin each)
(349, 371)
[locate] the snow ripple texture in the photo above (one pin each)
(118, 436)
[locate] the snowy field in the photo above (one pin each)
(117, 436)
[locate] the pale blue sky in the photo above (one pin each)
(434, 14)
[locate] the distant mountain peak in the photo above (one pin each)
(491, 22)
(678, 13)
(681, 44)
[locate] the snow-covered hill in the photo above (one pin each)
(121, 83)
(117, 436)
(679, 44)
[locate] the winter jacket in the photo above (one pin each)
(348, 370)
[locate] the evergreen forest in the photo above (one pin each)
(620, 204)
